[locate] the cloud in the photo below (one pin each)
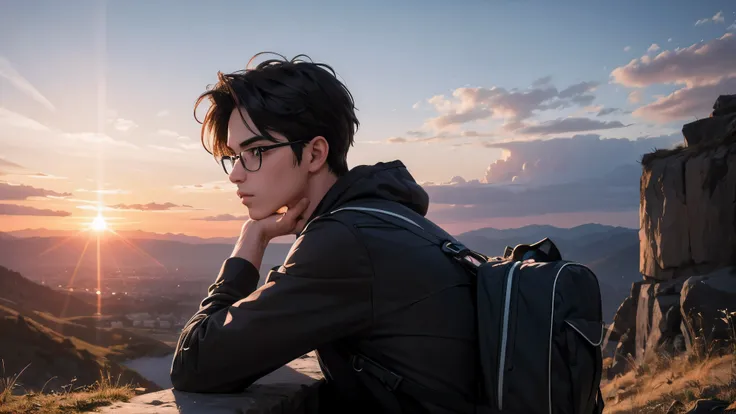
(162, 113)
(706, 71)
(608, 111)
(16, 210)
(440, 137)
(635, 96)
(22, 192)
(732, 27)
(546, 80)
(167, 133)
(16, 79)
(150, 206)
(627, 48)
(472, 104)
(109, 191)
(578, 174)
(193, 146)
(47, 176)
(185, 143)
(669, 39)
(653, 48)
(9, 118)
(211, 187)
(223, 217)
(697, 64)
(9, 164)
(717, 18)
(690, 102)
(97, 138)
(166, 149)
(563, 125)
(124, 125)
(568, 159)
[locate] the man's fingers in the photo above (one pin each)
(294, 214)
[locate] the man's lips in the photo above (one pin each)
(241, 195)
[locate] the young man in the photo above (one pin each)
(354, 283)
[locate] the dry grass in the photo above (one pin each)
(72, 400)
(660, 381)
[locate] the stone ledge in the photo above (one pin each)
(291, 389)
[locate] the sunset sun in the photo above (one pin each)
(99, 224)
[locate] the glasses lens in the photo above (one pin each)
(252, 159)
(227, 164)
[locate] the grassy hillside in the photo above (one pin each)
(665, 384)
(71, 317)
(54, 359)
(49, 361)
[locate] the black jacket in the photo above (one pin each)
(349, 279)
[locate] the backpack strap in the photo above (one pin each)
(451, 247)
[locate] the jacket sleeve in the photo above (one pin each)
(321, 293)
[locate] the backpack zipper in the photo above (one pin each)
(504, 333)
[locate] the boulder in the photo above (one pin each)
(703, 300)
(625, 350)
(709, 130)
(658, 318)
(625, 317)
(725, 104)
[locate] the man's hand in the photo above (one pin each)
(256, 234)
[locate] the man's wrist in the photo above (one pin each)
(251, 246)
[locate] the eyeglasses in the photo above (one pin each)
(252, 158)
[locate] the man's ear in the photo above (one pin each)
(316, 154)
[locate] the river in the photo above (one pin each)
(154, 369)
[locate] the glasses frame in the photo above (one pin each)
(261, 149)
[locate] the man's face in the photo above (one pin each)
(278, 183)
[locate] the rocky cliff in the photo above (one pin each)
(687, 242)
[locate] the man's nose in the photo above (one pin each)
(237, 175)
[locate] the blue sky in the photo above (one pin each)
(128, 72)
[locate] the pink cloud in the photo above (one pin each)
(697, 64)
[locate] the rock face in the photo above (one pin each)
(687, 211)
(687, 245)
(292, 389)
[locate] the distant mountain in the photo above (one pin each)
(4, 235)
(128, 234)
(33, 254)
(24, 295)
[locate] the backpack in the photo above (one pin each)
(540, 327)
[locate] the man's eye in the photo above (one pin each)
(255, 151)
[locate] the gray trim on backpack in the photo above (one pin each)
(504, 333)
(590, 341)
(375, 210)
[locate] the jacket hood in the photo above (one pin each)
(384, 180)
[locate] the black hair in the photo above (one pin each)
(295, 98)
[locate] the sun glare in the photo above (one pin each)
(99, 223)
